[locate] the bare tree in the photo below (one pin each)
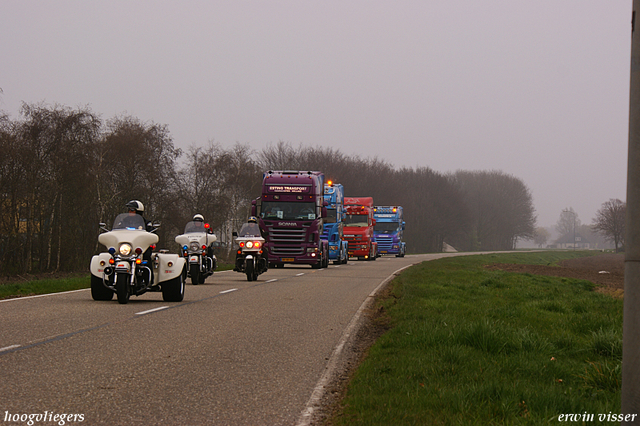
(541, 236)
(568, 222)
(610, 221)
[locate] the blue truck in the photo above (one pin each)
(333, 223)
(388, 230)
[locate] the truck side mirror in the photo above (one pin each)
(373, 222)
(254, 207)
(324, 211)
(403, 225)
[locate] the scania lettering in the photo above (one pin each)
(389, 230)
(358, 228)
(291, 213)
(334, 224)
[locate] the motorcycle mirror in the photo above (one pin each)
(234, 234)
(156, 225)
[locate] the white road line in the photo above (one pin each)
(42, 295)
(9, 348)
(271, 280)
(299, 275)
(152, 310)
(228, 291)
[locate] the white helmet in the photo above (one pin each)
(135, 205)
(199, 218)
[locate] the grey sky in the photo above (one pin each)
(536, 89)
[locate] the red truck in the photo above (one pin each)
(358, 228)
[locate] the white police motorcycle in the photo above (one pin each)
(125, 270)
(195, 245)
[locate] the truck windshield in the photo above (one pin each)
(357, 220)
(332, 216)
(386, 227)
(283, 210)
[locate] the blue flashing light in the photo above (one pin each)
(112, 251)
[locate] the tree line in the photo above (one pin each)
(65, 170)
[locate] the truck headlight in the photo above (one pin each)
(125, 249)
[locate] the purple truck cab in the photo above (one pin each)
(290, 213)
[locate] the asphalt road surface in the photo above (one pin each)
(232, 353)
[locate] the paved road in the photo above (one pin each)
(232, 353)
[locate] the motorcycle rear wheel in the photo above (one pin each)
(173, 290)
(98, 290)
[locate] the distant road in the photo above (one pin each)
(232, 353)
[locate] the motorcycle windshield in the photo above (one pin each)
(249, 230)
(193, 227)
(129, 221)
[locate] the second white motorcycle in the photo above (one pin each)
(196, 249)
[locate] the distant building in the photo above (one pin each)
(568, 242)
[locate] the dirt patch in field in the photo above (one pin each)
(605, 270)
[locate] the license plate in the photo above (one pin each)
(193, 259)
(351, 253)
(287, 259)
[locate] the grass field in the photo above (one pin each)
(469, 346)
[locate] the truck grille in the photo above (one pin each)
(287, 241)
(384, 244)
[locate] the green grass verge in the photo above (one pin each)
(469, 346)
(46, 286)
(43, 286)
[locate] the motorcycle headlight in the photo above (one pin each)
(195, 246)
(249, 244)
(125, 249)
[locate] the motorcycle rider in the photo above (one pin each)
(251, 228)
(198, 222)
(135, 207)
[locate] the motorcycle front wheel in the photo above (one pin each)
(194, 271)
(249, 271)
(122, 288)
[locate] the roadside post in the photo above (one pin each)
(631, 326)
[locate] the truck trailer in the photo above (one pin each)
(333, 223)
(291, 212)
(358, 228)
(389, 229)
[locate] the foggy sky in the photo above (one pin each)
(539, 90)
